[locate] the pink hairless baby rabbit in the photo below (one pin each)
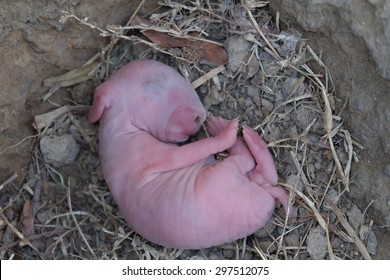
(179, 196)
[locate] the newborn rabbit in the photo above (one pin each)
(179, 196)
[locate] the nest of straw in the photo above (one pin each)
(273, 82)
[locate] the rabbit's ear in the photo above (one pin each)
(101, 100)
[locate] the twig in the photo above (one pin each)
(200, 81)
(258, 29)
(359, 244)
(17, 144)
(8, 181)
(44, 120)
(328, 121)
(300, 169)
(317, 215)
(77, 224)
(23, 240)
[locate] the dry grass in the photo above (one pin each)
(72, 214)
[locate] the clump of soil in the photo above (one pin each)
(268, 83)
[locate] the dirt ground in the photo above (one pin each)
(365, 80)
(59, 206)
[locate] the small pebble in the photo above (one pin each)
(238, 49)
(59, 150)
(268, 246)
(266, 105)
(292, 239)
(268, 228)
(387, 170)
(229, 254)
(304, 117)
(252, 91)
(214, 97)
(355, 216)
(366, 234)
(83, 92)
(295, 181)
(196, 257)
(247, 256)
(317, 243)
(332, 196)
(292, 131)
(336, 243)
(216, 255)
(372, 243)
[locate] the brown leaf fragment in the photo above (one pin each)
(27, 219)
(210, 51)
(214, 53)
(164, 40)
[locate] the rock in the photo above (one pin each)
(387, 170)
(369, 20)
(239, 54)
(216, 254)
(293, 85)
(267, 106)
(214, 97)
(247, 255)
(351, 31)
(295, 181)
(336, 243)
(196, 257)
(288, 43)
(236, 47)
(229, 254)
(355, 216)
(292, 239)
(292, 131)
(59, 150)
(333, 196)
(268, 228)
(366, 234)
(304, 117)
(189, 254)
(303, 214)
(83, 92)
(317, 243)
(372, 243)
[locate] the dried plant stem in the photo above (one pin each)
(23, 241)
(77, 224)
(317, 215)
(209, 75)
(19, 143)
(258, 29)
(328, 121)
(8, 181)
(359, 244)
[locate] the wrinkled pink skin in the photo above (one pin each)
(179, 196)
